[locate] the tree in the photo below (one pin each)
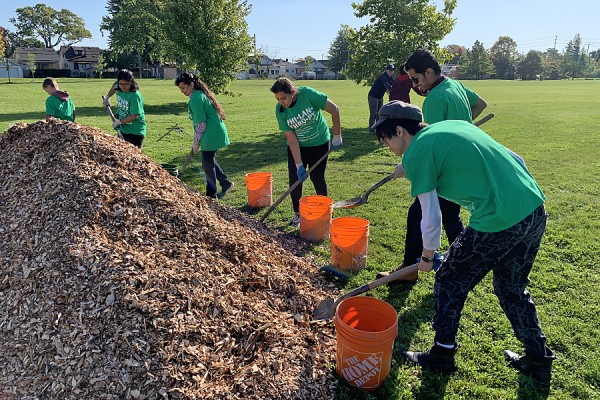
(551, 59)
(214, 39)
(100, 65)
(531, 66)
(574, 59)
(8, 49)
(477, 62)
(52, 26)
(309, 61)
(504, 56)
(3, 39)
(456, 52)
(31, 64)
(396, 29)
(339, 50)
(136, 27)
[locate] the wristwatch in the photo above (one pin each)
(426, 259)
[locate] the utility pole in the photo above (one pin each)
(555, 37)
(587, 53)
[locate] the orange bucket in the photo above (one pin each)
(260, 189)
(365, 328)
(349, 243)
(315, 217)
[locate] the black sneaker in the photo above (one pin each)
(295, 222)
(539, 368)
(226, 189)
(437, 358)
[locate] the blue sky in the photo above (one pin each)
(293, 29)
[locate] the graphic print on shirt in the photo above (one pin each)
(303, 123)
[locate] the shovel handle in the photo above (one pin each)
(112, 117)
(187, 161)
(484, 119)
(379, 184)
(294, 186)
(398, 274)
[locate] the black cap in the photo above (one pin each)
(391, 67)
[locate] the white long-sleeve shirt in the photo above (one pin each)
(431, 220)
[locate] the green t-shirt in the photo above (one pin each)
(60, 109)
(129, 103)
(305, 118)
(449, 100)
(466, 166)
(201, 109)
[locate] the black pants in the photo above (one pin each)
(135, 140)
(414, 240)
(309, 155)
(213, 173)
(510, 255)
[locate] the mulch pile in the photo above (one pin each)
(118, 281)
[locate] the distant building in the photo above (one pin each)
(44, 58)
(450, 71)
(14, 70)
(80, 60)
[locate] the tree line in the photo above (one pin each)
(212, 39)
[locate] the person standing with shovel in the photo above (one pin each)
(299, 116)
(459, 162)
(446, 99)
(210, 133)
(130, 118)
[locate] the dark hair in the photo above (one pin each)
(188, 77)
(49, 81)
(127, 75)
(284, 85)
(422, 59)
(402, 71)
(388, 127)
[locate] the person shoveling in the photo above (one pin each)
(459, 162)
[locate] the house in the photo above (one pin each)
(450, 71)
(80, 60)
(284, 68)
(45, 58)
(14, 70)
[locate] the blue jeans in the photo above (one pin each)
(510, 255)
(213, 173)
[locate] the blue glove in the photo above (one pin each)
(302, 174)
(337, 142)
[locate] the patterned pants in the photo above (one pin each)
(510, 255)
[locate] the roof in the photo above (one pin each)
(41, 54)
(89, 54)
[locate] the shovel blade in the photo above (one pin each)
(325, 310)
(350, 203)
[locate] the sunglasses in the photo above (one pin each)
(415, 79)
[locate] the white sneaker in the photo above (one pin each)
(295, 221)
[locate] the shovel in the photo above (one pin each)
(484, 119)
(112, 117)
(360, 200)
(326, 308)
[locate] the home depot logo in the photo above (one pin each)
(360, 371)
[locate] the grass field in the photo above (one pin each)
(554, 125)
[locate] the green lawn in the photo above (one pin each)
(554, 125)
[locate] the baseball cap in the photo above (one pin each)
(397, 109)
(390, 67)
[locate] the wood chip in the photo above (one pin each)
(118, 281)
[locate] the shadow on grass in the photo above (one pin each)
(270, 148)
(530, 390)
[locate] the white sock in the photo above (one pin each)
(446, 346)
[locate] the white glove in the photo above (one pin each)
(399, 172)
(116, 124)
(106, 102)
(336, 143)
